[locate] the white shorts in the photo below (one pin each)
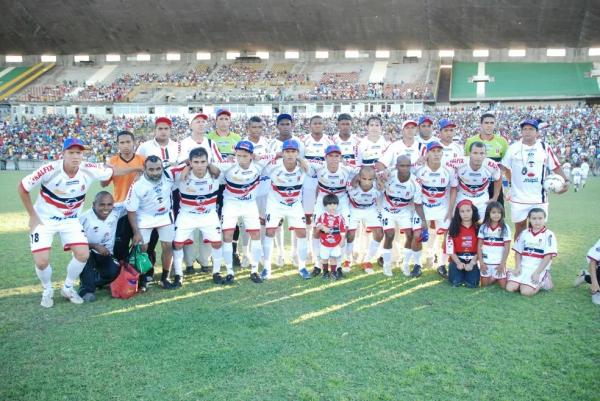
(233, 210)
(577, 180)
(525, 277)
(327, 252)
(370, 217)
(165, 233)
(294, 215)
(491, 272)
(519, 211)
(342, 208)
(309, 194)
(208, 224)
(70, 231)
(401, 220)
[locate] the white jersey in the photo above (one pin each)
(577, 174)
(369, 152)
(100, 231)
(432, 138)
(585, 169)
(399, 148)
(334, 183)
(241, 184)
(435, 187)
(286, 186)
(451, 152)
(61, 196)
(262, 150)
(534, 246)
(473, 184)
(349, 148)
(493, 241)
(528, 165)
(276, 145)
(189, 144)
(314, 150)
(400, 195)
(360, 199)
(168, 154)
(198, 196)
(593, 254)
(151, 201)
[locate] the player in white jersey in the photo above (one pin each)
(162, 145)
(347, 142)
(150, 206)
(286, 177)
(364, 196)
(577, 175)
(451, 150)
(526, 164)
(493, 246)
(239, 202)
(534, 250)
(198, 186)
(475, 173)
(426, 131)
(372, 146)
(401, 206)
(406, 146)
(64, 184)
(438, 183)
(585, 170)
(566, 166)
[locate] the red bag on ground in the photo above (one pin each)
(126, 284)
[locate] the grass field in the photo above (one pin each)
(362, 338)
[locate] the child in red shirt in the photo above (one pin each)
(331, 226)
(461, 245)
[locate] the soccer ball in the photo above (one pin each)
(554, 183)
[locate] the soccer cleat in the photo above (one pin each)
(326, 275)
(387, 271)
(229, 279)
(256, 278)
(334, 275)
(72, 295)
(346, 266)
(315, 271)
(47, 299)
(368, 267)
(442, 271)
(217, 279)
(304, 273)
(89, 297)
(177, 283)
(416, 271)
(406, 270)
(205, 269)
(189, 270)
(143, 286)
(580, 279)
(339, 273)
(265, 274)
(167, 285)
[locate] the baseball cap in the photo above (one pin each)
(433, 145)
(445, 123)
(164, 120)
(284, 116)
(223, 111)
(530, 121)
(72, 143)
(409, 122)
(423, 119)
(245, 145)
(290, 144)
(344, 116)
(333, 149)
(201, 115)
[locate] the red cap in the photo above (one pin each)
(201, 115)
(163, 120)
(464, 202)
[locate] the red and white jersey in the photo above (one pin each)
(99, 231)
(349, 148)
(337, 226)
(189, 144)
(151, 201)
(369, 152)
(262, 150)
(276, 144)
(399, 148)
(594, 253)
(493, 241)
(435, 187)
(473, 184)
(286, 186)
(197, 195)
(399, 195)
(334, 183)
(241, 184)
(61, 196)
(361, 199)
(168, 154)
(451, 152)
(534, 246)
(432, 138)
(528, 166)
(314, 150)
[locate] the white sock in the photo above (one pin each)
(263, 234)
(316, 248)
(280, 234)
(373, 247)
(256, 251)
(228, 257)
(177, 261)
(74, 269)
(407, 256)
(189, 254)
(45, 277)
(417, 256)
(387, 257)
(267, 250)
(310, 245)
(302, 252)
(349, 249)
(217, 257)
(294, 241)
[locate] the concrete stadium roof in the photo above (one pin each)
(130, 26)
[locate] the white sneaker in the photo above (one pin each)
(387, 271)
(71, 295)
(47, 298)
(596, 298)
(580, 279)
(406, 270)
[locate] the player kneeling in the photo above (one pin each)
(330, 225)
(198, 186)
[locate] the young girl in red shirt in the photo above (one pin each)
(461, 246)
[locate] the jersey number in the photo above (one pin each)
(35, 238)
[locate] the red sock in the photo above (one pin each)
(325, 267)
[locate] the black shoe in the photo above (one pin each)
(326, 275)
(189, 270)
(236, 261)
(416, 271)
(334, 275)
(256, 278)
(442, 271)
(380, 261)
(205, 269)
(167, 285)
(217, 279)
(315, 272)
(229, 279)
(339, 273)
(177, 282)
(143, 286)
